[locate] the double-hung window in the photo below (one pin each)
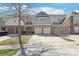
(56, 20)
(42, 19)
(76, 29)
(76, 19)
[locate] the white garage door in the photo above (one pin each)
(38, 30)
(46, 30)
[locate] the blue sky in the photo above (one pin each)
(64, 6)
(50, 8)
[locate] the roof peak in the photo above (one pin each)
(42, 13)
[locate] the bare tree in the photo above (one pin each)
(1, 24)
(18, 7)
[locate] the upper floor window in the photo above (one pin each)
(3, 22)
(56, 21)
(29, 21)
(76, 29)
(15, 20)
(42, 19)
(76, 18)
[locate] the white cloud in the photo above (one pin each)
(48, 10)
(57, 11)
(76, 11)
(3, 8)
(24, 6)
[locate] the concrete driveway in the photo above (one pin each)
(51, 46)
(74, 37)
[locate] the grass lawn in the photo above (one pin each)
(8, 52)
(67, 39)
(24, 38)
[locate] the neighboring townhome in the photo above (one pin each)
(42, 23)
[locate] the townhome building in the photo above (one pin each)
(41, 23)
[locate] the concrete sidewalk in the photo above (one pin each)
(4, 38)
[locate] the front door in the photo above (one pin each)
(29, 30)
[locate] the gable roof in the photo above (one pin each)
(42, 14)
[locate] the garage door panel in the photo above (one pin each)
(47, 30)
(38, 30)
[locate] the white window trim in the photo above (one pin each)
(76, 18)
(42, 19)
(56, 20)
(76, 29)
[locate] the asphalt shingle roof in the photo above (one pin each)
(42, 14)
